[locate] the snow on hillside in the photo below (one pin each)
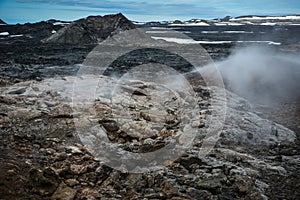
(238, 21)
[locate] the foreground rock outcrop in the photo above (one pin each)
(42, 156)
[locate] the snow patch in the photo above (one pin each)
(61, 23)
(268, 42)
(228, 24)
(157, 31)
(192, 24)
(4, 33)
(138, 23)
(176, 40)
(289, 17)
(236, 32)
(268, 24)
(209, 32)
(220, 24)
(189, 41)
(214, 42)
(13, 36)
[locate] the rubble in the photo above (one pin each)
(59, 166)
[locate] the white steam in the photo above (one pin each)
(262, 75)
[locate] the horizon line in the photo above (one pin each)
(201, 18)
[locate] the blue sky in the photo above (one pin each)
(21, 11)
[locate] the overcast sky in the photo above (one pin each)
(21, 11)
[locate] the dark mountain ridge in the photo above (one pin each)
(91, 30)
(2, 22)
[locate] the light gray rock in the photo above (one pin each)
(243, 125)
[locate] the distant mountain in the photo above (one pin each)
(94, 29)
(29, 31)
(241, 20)
(90, 30)
(150, 24)
(268, 20)
(2, 22)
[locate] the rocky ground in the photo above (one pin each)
(45, 154)
(42, 156)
